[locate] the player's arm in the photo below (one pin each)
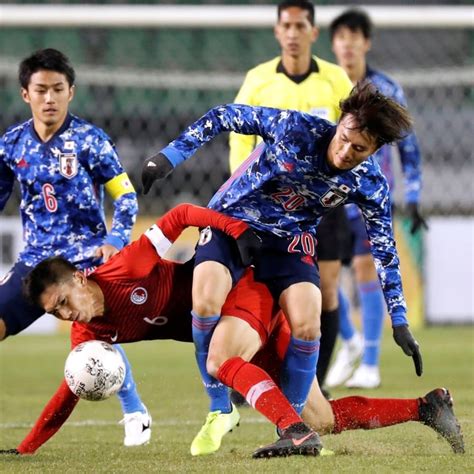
(125, 205)
(138, 258)
(53, 416)
(242, 145)
(410, 157)
(169, 227)
(58, 409)
(238, 118)
(376, 210)
(108, 171)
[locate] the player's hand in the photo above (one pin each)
(156, 167)
(9, 451)
(404, 338)
(249, 243)
(417, 220)
(106, 251)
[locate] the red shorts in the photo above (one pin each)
(252, 302)
(271, 355)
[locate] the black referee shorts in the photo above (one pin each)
(333, 235)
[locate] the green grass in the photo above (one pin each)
(31, 368)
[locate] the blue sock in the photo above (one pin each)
(217, 391)
(372, 305)
(128, 395)
(298, 369)
(346, 327)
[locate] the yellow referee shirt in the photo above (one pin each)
(267, 85)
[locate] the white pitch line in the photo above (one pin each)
(170, 422)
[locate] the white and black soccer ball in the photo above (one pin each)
(94, 370)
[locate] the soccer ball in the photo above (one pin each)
(94, 370)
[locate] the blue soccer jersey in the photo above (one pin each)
(408, 148)
(286, 185)
(62, 186)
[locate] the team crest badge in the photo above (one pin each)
(139, 295)
(334, 197)
(68, 165)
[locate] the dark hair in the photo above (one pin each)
(353, 19)
(48, 59)
(381, 117)
(303, 4)
(50, 271)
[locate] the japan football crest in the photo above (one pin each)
(335, 196)
(68, 165)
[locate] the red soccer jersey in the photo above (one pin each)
(147, 297)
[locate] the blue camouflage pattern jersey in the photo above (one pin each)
(286, 185)
(408, 148)
(62, 186)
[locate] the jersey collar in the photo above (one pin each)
(298, 79)
(61, 129)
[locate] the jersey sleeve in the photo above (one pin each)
(188, 215)
(242, 145)
(125, 210)
(376, 209)
(58, 409)
(107, 170)
(6, 177)
(410, 156)
(243, 119)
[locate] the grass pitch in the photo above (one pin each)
(91, 441)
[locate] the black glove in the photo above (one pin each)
(249, 244)
(407, 342)
(417, 220)
(9, 451)
(156, 167)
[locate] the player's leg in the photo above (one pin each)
(217, 268)
(301, 302)
(329, 271)
(230, 363)
(352, 346)
(373, 310)
(333, 243)
(435, 410)
(137, 421)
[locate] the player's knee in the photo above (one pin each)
(213, 364)
(208, 304)
(306, 330)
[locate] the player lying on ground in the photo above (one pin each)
(123, 299)
(305, 167)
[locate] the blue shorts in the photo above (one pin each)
(281, 262)
(15, 310)
(359, 239)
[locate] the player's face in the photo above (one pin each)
(350, 47)
(48, 95)
(70, 300)
(349, 146)
(295, 33)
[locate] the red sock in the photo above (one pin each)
(352, 413)
(259, 390)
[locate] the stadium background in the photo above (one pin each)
(143, 85)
